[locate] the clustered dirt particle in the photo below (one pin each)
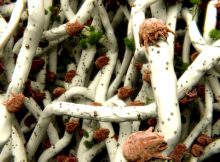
(200, 143)
(152, 29)
(178, 152)
(15, 103)
(101, 61)
(71, 126)
(146, 75)
(95, 104)
(144, 146)
(136, 103)
(100, 134)
(58, 91)
(74, 28)
(69, 76)
(125, 92)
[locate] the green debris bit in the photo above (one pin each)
(196, 1)
(90, 36)
(129, 43)
(89, 144)
(214, 34)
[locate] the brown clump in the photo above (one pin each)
(144, 146)
(101, 61)
(193, 56)
(138, 66)
(35, 94)
(151, 122)
(58, 91)
(95, 104)
(203, 139)
(100, 134)
(63, 158)
(152, 29)
(125, 92)
(74, 28)
(178, 153)
(136, 103)
(71, 126)
(69, 76)
(15, 103)
(29, 120)
(37, 64)
(217, 5)
(50, 77)
(146, 75)
(197, 150)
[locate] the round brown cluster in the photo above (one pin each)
(50, 77)
(71, 126)
(178, 153)
(95, 104)
(125, 92)
(37, 64)
(144, 146)
(201, 142)
(34, 93)
(101, 61)
(74, 28)
(63, 158)
(146, 75)
(100, 134)
(58, 91)
(69, 76)
(136, 103)
(152, 29)
(15, 103)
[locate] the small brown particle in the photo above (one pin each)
(50, 77)
(74, 28)
(151, 122)
(58, 91)
(71, 126)
(29, 120)
(146, 75)
(37, 64)
(63, 158)
(69, 76)
(125, 92)
(197, 150)
(203, 139)
(179, 151)
(217, 5)
(101, 61)
(152, 29)
(100, 134)
(194, 55)
(15, 103)
(95, 104)
(136, 103)
(138, 66)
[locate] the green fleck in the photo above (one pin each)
(214, 34)
(182, 67)
(89, 35)
(51, 8)
(94, 37)
(196, 1)
(129, 43)
(45, 12)
(85, 134)
(149, 100)
(55, 18)
(83, 42)
(88, 144)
